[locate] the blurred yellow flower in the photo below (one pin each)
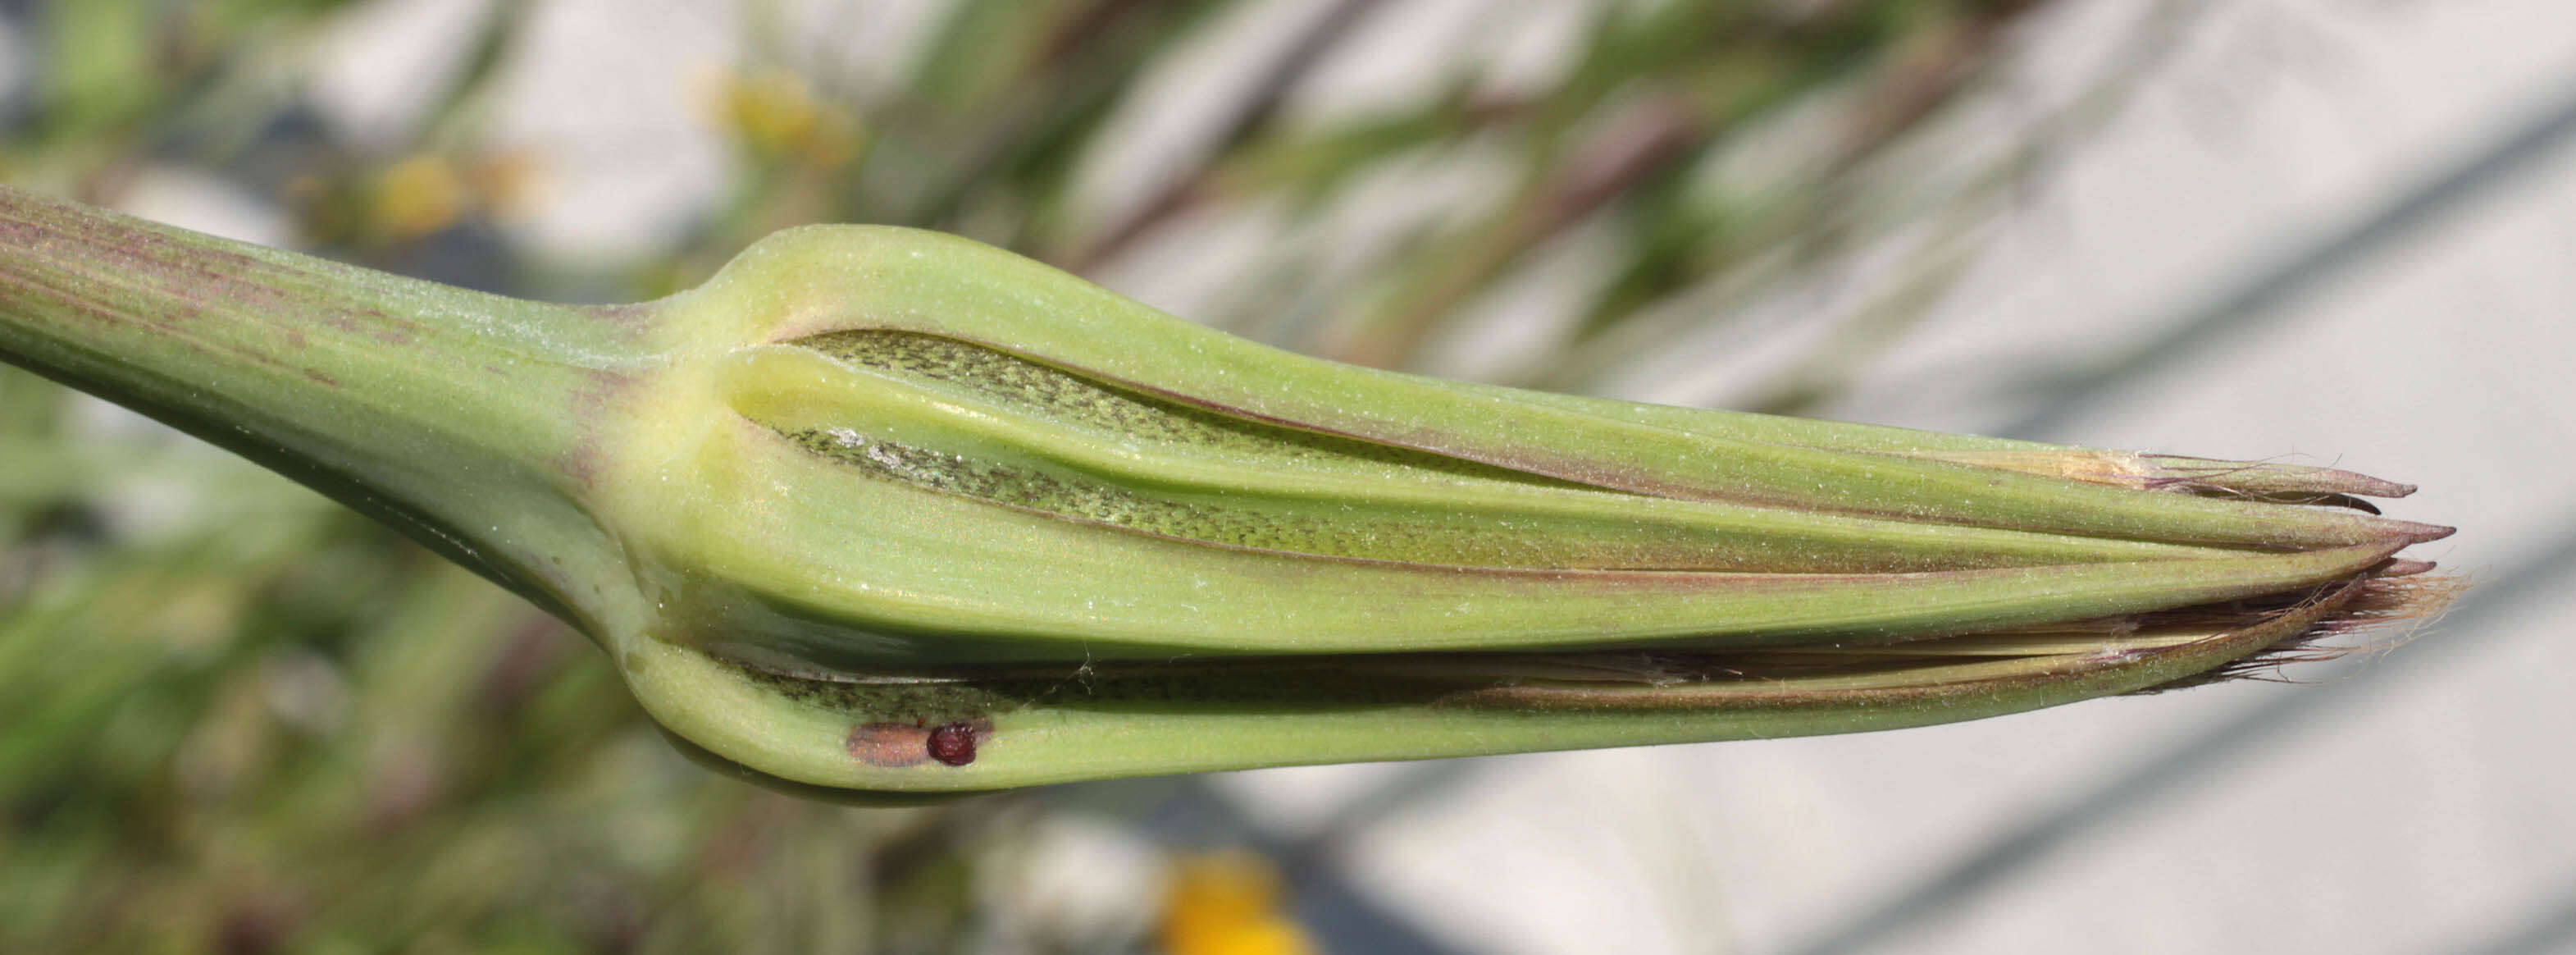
(1228, 904)
(418, 196)
(775, 114)
(428, 193)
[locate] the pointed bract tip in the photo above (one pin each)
(2406, 567)
(2419, 533)
(2362, 485)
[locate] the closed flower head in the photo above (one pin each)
(887, 510)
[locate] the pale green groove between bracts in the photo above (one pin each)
(886, 510)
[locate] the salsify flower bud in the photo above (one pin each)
(884, 510)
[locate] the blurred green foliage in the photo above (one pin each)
(236, 718)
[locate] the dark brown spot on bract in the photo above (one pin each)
(953, 744)
(912, 744)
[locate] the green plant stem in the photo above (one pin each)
(372, 388)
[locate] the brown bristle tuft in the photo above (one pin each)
(2412, 601)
